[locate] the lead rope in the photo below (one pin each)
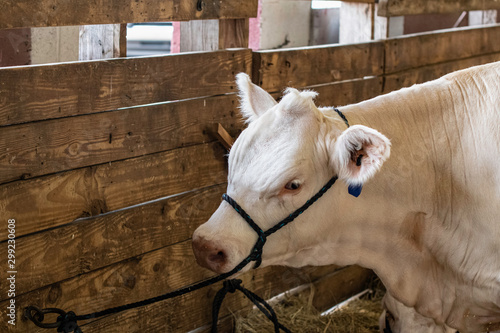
(66, 322)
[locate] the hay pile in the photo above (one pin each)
(297, 314)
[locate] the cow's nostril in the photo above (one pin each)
(219, 257)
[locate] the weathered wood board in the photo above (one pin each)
(233, 33)
(347, 92)
(39, 148)
(93, 243)
(54, 91)
(57, 199)
(275, 70)
(344, 92)
(431, 48)
(415, 7)
(44, 13)
(432, 72)
(148, 275)
(266, 282)
(96, 242)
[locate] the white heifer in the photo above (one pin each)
(428, 223)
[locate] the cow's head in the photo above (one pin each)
(286, 154)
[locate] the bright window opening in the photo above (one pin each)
(320, 4)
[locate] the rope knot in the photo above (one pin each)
(231, 285)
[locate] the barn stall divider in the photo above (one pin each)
(108, 166)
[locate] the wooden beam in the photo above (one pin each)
(233, 33)
(148, 275)
(414, 7)
(444, 46)
(347, 92)
(54, 44)
(123, 40)
(211, 35)
(40, 148)
(100, 41)
(44, 92)
(356, 22)
(302, 67)
(94, 243)
(57, 199)
(359, 23)
(284, 24)
(224, 137)
(26, 13)
(344, 92)
(338, 286)
(202, 35)
(422, 74)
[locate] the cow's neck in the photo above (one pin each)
(395, 236)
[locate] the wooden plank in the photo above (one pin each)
(149, 275)
(431, 72)
(50, 201)
(436, 47)
(54, 45)
(357, 22)
(415, 7)
(348, 92)
(100, 41)
(224, 137)
(123, 40)
(39, 148)
(301, 67)
(26, 13)
(266, 282)
(283, 24)
(211, 35)
(201, 35)
(97, 242)
(345, 92)
(338, 286)
(54, 91)
(233, 33)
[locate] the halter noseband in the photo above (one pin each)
(256, 253)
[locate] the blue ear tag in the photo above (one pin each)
(355, 190)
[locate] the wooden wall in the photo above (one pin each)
(107, 190)
(109, 166)
(413, 7)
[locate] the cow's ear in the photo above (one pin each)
(359, 153)
(253, 99)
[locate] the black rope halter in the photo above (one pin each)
(256, 253)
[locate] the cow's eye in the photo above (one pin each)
(293, 185)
